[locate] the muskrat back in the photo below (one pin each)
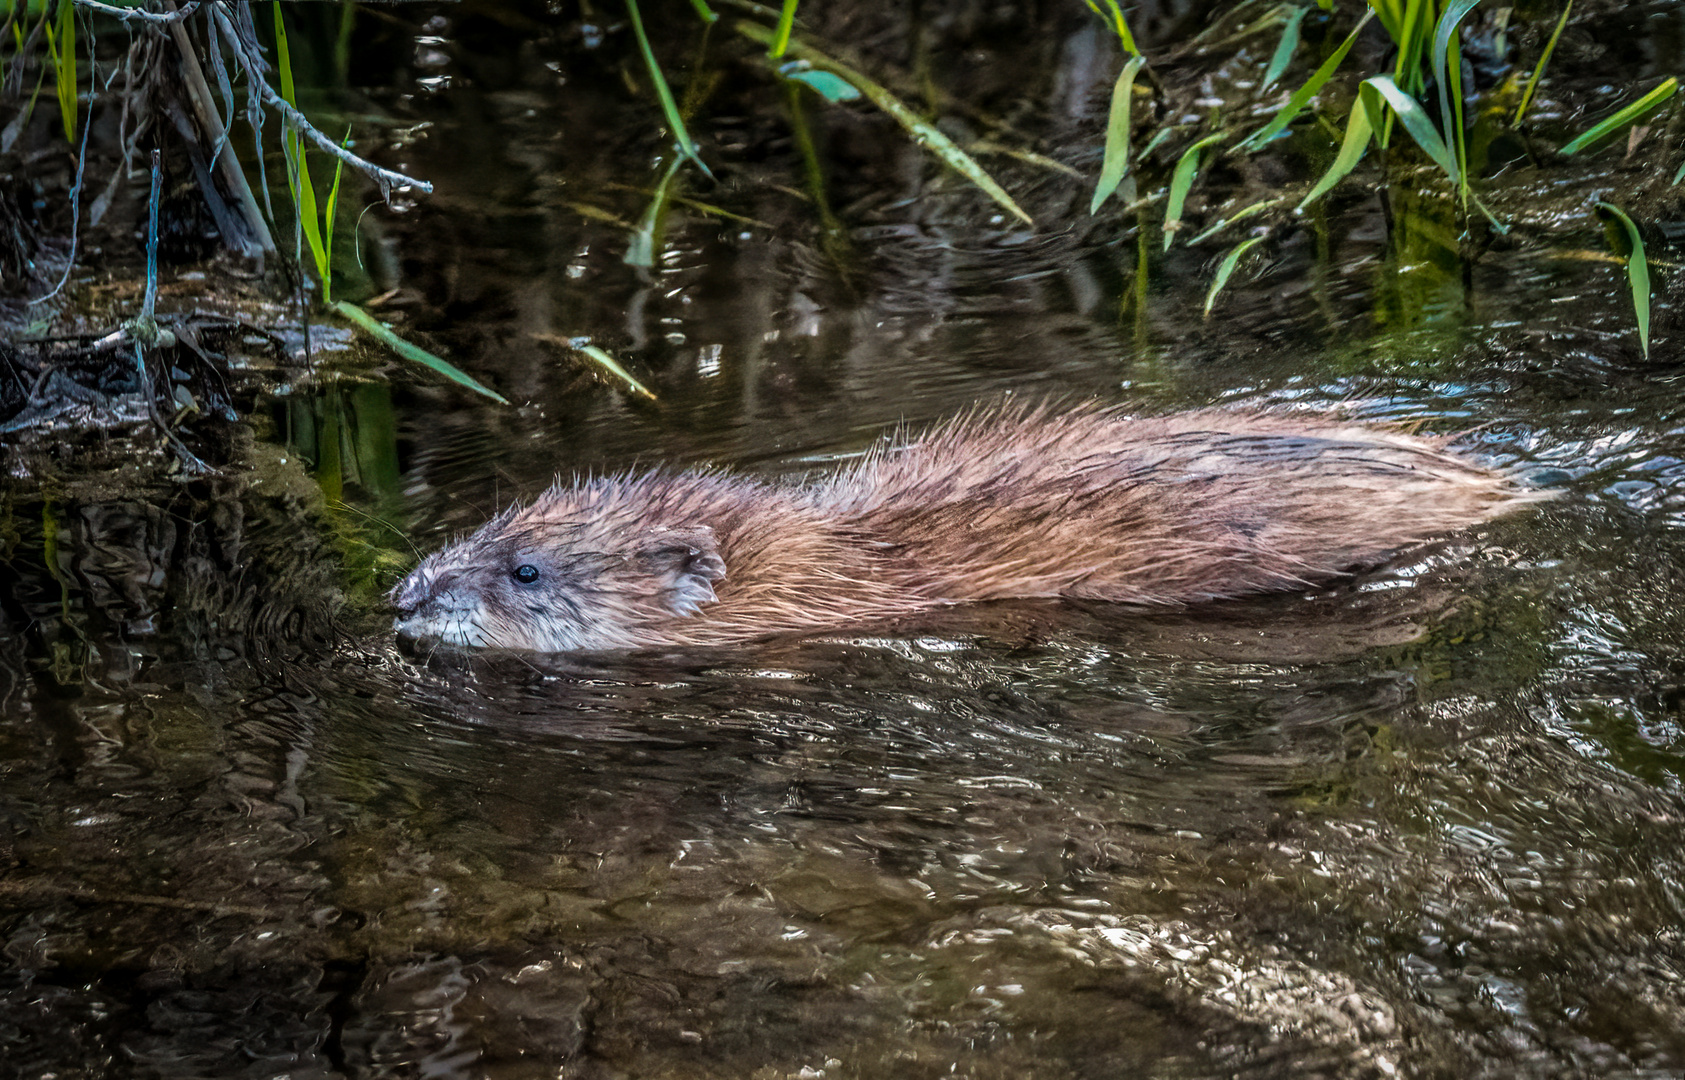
(1010, 502)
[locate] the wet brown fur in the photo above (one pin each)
(1008, 502)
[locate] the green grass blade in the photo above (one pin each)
(1678, 176)
(707, 14)
(328, 213)
(1116, 161)
(284, 63)
(923, 131)
(1183, 179)
(1412, 41)
(1238, 216)
(781, 36)
(1391, 14)
(1544, 58)
(1637, 273)
(1359, 130)
(1632, 112)
(414, 352)
(669, 107)
(1162, 135)
(646, 238)
(1285, 49)
(1447, 60)
(1120, 25)
(1226, 268)
(1302, 97)
(64, 68)
(1415, 121)
(304, 196)
(298, 169)
(609, 364)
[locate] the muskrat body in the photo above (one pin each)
(1000, 504)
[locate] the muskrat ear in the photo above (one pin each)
(689, 562)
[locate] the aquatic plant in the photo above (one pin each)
(1544, 61)
(923, 132)
(316, 229)
(1422, 94)
(669, 107)
(1114, 164)
(1624, 117)
(1629, 246)
(61, 47)
(409, 351)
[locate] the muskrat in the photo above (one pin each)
(1006, 502)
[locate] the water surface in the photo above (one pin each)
(1424, 823)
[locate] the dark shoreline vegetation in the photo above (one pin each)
(1223, 141)
(1424, 823)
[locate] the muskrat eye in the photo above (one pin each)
(526, 573)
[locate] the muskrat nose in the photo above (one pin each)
(419, 587)
(408, 594)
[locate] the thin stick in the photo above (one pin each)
(200, 93)
(151, 300)
(385, 179)
(127, 14)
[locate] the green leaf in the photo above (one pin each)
(1302, 97)
(413, 352)
(1410, 34)
(1392, 16)
(1358, 132)
(1415, 121)
(832, 88)
(1239, 215)
(1285, 49)
(285, 64)
(64, 68)
(1448, 74)
(1120, 26)
(923, 131)
(1632, 112)
(609, 364)
(781, 36)
(1227, 268)
(669, 107)
(1637, 273)
(1116, 161)
(328, 218)
(1181, 181)
(1544, 58)
(298, 169)
(707, 14)
(646, 238)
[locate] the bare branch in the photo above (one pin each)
(127, 14)
(385, 178)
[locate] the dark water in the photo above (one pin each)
(1424, 823)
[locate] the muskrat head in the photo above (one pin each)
(526, 581)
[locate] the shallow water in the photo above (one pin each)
(1423, 823)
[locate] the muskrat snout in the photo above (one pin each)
(422, 586)
(432, 603)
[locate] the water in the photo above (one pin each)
(1424, 823)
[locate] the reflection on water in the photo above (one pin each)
(1425, 823)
